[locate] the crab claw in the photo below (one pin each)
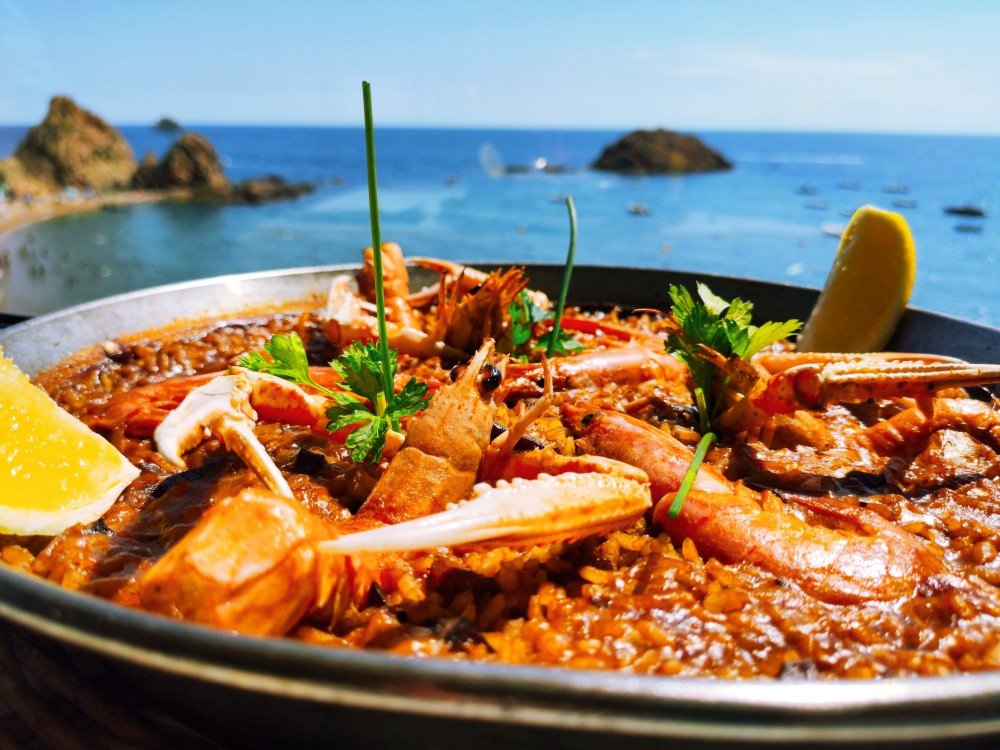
(814, 385)
(225, 407)
(518, 513)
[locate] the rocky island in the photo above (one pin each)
(660, 152)
(192, 164)
(167, 125)
(73, 149)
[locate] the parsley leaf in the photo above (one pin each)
(563, 345)
(411, 399)
(361, 367)
(288, 361)
(524, 314)
(363, 403)
(368, 440)
(720, 325)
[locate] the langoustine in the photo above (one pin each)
(873, 559)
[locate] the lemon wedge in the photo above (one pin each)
(868, 286)
(54, 471)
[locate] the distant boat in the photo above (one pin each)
(969, 228)
(849, 185)
(451, 179)
(557, 198)
(848, 212)
(895, 188)
(832, 228)
(966, 209)
(805, 190)
(904, 203)
(817, 204)
(638, 209)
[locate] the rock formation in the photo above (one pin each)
(192, 165)
(74, 148)
(167, 125)
(269, 188)
(71, 147)
(660, 152)
(143, 176)
(191, 162)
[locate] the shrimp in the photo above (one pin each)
(462, 280)
(395, 283)
(872, 559)
(465, 318)
(622, 364)
(348, 320)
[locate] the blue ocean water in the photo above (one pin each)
(437, 199)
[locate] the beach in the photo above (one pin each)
(22, 213)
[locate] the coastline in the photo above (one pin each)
(21, 214)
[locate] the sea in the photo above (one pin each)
(443, 192)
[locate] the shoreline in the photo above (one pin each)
(21, 214)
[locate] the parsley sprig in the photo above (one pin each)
(383, 334)
(361, 367)
(525, 314)
(725, 327)
(689, 476)
(288, 361)
(362, 402)
(369, 399)
(720, 325)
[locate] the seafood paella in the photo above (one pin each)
(519, 489)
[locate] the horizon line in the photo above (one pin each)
(543, 128)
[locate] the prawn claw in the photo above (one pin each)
(815, 385)
(225, 407)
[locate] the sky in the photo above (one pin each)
(909, 66)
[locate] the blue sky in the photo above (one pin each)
(890, 66)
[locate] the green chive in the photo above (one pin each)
(567, 273)
(383, 335)
(699, 455)
(703, 415)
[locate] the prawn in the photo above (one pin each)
(871, 559)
